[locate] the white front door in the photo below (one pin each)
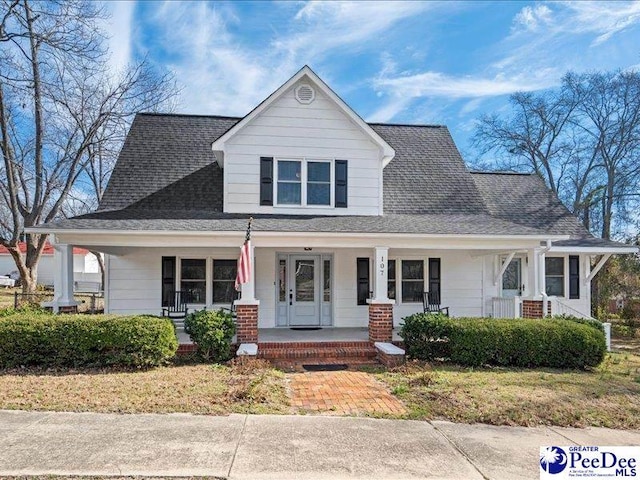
(512, 279)
(304, 290)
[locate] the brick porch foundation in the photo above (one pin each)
(380, 322)
(533, 308)
(247, 323)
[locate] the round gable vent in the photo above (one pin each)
(305, 94)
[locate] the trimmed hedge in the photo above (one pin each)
(38, 338)
(212, 332)
(557, 343)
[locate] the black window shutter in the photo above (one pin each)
(168, 280)
(363, 280)
(434, 277)
(341, 184)
(266, 180)
(574, 276)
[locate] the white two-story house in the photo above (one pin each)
(352, 222)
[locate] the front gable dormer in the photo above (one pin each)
(303, 151)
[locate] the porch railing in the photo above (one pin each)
(558, 307)
(88, 302)
(506, 307)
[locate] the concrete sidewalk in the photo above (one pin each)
(277, 447)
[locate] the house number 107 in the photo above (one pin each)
(382, 266)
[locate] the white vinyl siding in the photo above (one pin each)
(290, 130)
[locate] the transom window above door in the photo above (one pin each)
(304, 182)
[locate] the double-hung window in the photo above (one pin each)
(554, 276)
(193, 279)
(224, 279)
(304, 182)
(412, 280)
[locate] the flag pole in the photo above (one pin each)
(244, 271)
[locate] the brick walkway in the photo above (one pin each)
(342, 393)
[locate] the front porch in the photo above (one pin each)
(287, 335)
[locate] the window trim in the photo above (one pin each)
(304, 180)
(227, 254)
(564, 275)
(179, 261)
(425, 273)
(213, 278)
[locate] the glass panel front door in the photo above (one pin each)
(304, 289)
(512, 279)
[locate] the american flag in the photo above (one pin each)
(244, 262)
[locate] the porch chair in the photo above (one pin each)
(232, 307)
(177, 309)
(431, 303)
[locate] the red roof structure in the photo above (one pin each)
(48, 249)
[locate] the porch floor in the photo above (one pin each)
(286, 335)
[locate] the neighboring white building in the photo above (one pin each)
(86, 270)
(353, 222)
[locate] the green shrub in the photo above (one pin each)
(37, 338)
(592, 322)
(530, 343)
(212, 332)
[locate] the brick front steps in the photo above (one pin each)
(296, 354)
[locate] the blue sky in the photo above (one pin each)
(399, 62)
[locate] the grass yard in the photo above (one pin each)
(202, 389)
(606, 397)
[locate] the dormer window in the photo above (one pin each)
(304, 182)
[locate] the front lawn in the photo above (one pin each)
(202, 389)
(609, 396)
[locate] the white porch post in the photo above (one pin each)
(532, 288)
(381, 275)
(541, 273)
(63, 281)
(380, 307)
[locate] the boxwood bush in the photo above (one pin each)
(39, 338)
(212, 332)
(557, 343)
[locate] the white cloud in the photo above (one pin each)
(118, 28)
(532, 17)
(222, 74)
(438, 84)
(604, 19)
(323, 26)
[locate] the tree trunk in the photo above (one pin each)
(101, 264)
(28, 275)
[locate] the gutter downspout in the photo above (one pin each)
(541, 279)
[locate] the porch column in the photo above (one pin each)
(63, 281)
(532, 287)
(532, 304)
(247, 308)
(380, 307)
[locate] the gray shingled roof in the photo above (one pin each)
(192, 220)
(525, 200)
(161, 150)
(427, 175)
(166, 178)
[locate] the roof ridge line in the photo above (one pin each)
(159, 114)
(489, 172)
(428, 125)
